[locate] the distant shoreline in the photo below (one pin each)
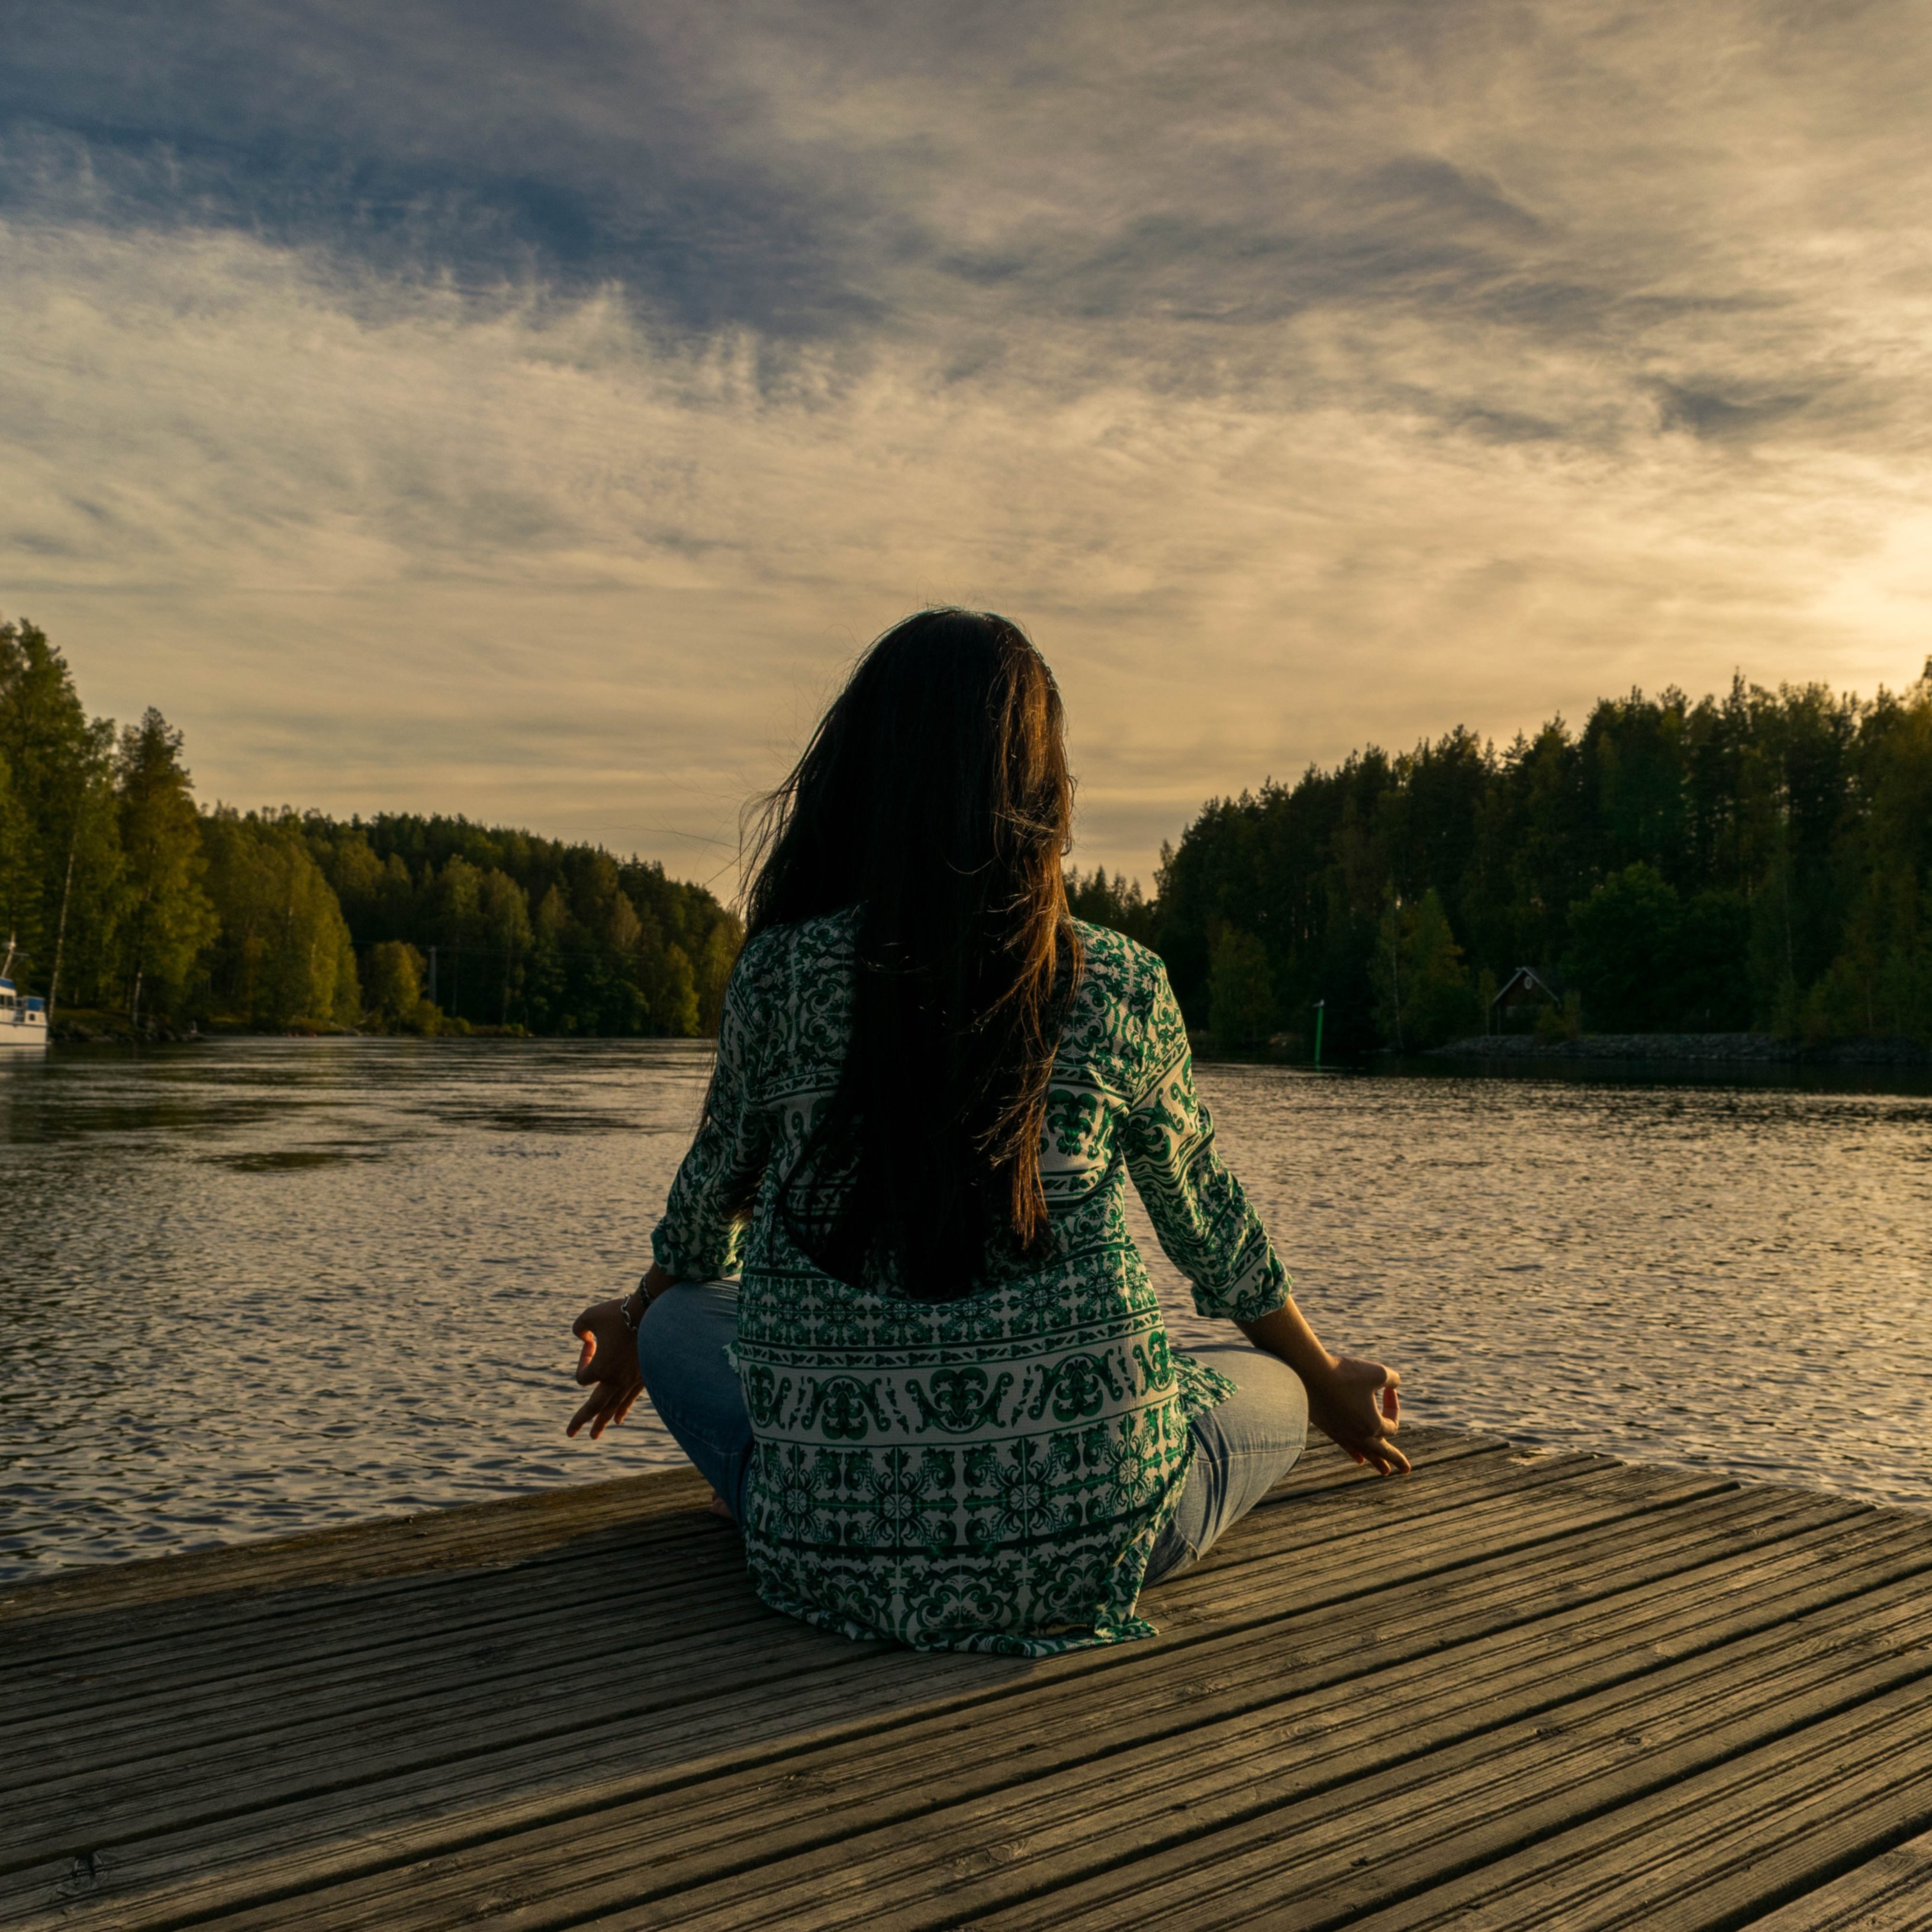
(1702, 1049)
(1658, 1049)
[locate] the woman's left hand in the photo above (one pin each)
(1353, 1402)
(608, 1366)
(1356, 1406)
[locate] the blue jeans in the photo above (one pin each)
(1241, 1449)
(682, 1337)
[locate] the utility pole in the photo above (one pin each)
(1395, 981)
(60, 932)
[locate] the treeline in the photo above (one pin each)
(502, 927)
(1759, 861)
(123, 895)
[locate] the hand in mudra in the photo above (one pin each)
(608, 1366)
(1356, 1406)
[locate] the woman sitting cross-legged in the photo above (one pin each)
(938, 1398)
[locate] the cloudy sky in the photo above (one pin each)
(529, 411)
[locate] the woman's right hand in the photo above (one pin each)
(1355, 1404)
(608, 1366)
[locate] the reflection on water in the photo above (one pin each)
(265, 1285)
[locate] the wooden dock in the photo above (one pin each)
(1515, 1690)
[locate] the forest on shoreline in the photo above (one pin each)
(129, 900)
(1758, 862)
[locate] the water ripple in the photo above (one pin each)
(263, 1285)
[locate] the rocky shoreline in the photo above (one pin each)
(92, 1028)
(97, 1032)
(1728, 1049)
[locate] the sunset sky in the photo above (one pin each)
(529, 411)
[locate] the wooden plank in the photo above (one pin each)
(275, 1745)
(172, 1876)
(408, 1552)
(89, 1824)
(299, 1751)
(222, 1642)
(265, 1613)
(1802, 1531)
(1469, 1805)
(1719, 1849)
(355, 1551)
(335, 1834)
(1355, 1848)
(1891, 1892)
(1244, 1584)
(686, 1535)
(472, 1675)
(137, 1688)
(1578, 1649)
(185, 1771)
(832, 1796)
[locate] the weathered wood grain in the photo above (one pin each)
(1226, 1715)
(686, 1555)
(482, 1696)
(1890, 1893)
(1305, 1785)
(119, 1650)
(329, 1835)
(1518, 1690)
(398, 1546)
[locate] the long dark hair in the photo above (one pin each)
(934, 798)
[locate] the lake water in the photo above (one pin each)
(261, 1285)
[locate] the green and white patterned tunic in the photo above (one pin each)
(988, 1474)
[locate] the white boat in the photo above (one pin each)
(23, 1023)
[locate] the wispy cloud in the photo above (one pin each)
(528, 411)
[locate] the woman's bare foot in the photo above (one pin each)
(717, 1506)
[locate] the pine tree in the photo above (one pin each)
(1425, 996)
(63, 895)
(169, 919)
(284, 958)
(1241, 1003)
(506, 916)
